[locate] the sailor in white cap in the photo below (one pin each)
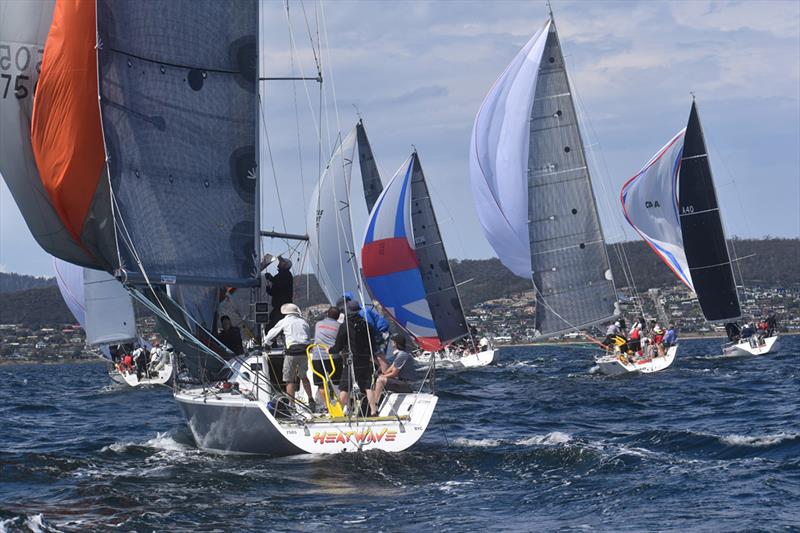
(295, 363)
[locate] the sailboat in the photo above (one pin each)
(533, 192)
(672, 205)
(160, 186)
(104, 309)
(405, 263)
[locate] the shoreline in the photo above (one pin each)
(11, 362)
(584, 342)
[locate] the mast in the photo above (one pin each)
(704, 239)
(569, 260)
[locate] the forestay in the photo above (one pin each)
(533, 191)
(672, 204)
(178, 101)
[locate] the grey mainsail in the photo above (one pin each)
(370, 176)
(178, 101)
(437, 277)
(571, 270)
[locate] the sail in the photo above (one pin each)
(69, 278)
(499, 157)
(370, 176)
(178, 101)
(331, 249)
(391, 265)
(701, 226)
(650, 204)
(54, 209)
(437, 277)
(533, 191)
(110, 318)
(672, 204)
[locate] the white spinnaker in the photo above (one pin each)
(330, 235)
(499, 157)
(110, 318)
(650, 204)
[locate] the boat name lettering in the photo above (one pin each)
(648, 204)
(366, 436)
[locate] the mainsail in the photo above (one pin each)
(405, 265)
(533, 192)
(370, 176)
(179, 104)
(672, 204)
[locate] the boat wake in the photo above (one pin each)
(553, 438)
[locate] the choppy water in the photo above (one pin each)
(538, 442)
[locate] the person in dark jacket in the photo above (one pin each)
(280, 287)
(230, 336)
(357, 338)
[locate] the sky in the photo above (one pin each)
(418, 71)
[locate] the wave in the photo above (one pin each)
(550, 439)
(34, 523)
(757, 441)
(161, 442)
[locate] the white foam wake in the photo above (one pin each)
(162, 441)
(756, 440)
(550, 439)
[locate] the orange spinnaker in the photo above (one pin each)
(66, 132)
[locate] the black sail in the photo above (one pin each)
(370, 176)
(437, 278)
(701, 227)
(178, 94)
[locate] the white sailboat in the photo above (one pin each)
(104, 309)
(533, 192)
(672, 204)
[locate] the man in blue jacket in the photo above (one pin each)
(373, 318)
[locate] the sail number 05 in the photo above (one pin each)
(15, 69)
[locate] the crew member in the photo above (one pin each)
(230, 336)
(295, 362)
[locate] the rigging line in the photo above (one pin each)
(310, 37)
(272, 162)
(620, 247)
(297, 123)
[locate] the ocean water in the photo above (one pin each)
(539, 442)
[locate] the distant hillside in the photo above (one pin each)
(775, 263)
(35, 308)
(19, 282)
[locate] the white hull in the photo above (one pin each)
(244, 420)
(161, 378)
(116, 376)
(757, 347)
(614, 365)
(471, 360)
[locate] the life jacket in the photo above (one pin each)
(635, 335)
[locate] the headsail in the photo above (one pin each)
(672, 204)
(419, 297)
(178, 102)
(533, 191)
(98, 302)
(331, 246)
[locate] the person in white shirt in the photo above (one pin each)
(295, 363)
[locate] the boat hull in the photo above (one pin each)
(471, 360)
(769, 344)
(614, 365)
(232, 423)
(162, 378)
